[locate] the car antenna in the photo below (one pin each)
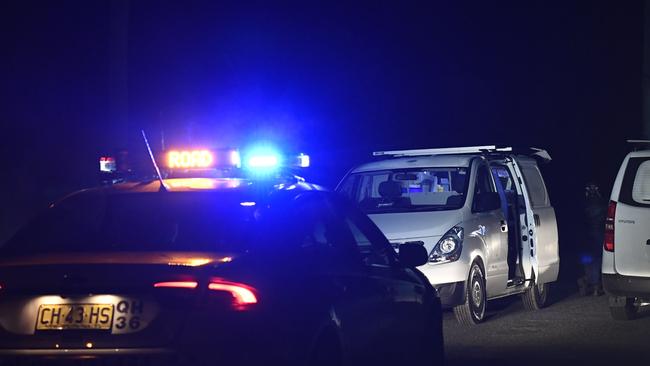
(163, 186)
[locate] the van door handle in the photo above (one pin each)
(538, 222)
(647, 242)
(504, 226)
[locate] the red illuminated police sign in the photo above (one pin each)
(190, 159)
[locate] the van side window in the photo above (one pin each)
(635, 189)
(506, 189)
(502, 175)
(483, 183)
(641, 187)
(534, 185)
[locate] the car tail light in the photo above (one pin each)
(242, 295)
(177, 284)
(609, 227)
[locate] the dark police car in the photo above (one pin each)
(213, 270)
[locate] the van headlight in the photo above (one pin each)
(449, 247)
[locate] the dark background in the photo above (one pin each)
(335, 80)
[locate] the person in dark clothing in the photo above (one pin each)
(595, 211)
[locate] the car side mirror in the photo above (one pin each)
(487, 201)
(413, 254)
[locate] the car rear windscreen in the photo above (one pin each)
(161, 221)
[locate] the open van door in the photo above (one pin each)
(527, 232)
(545, 238)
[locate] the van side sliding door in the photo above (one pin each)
(526, 230)
(544, 222)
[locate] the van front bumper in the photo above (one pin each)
(449, 279)
(628, 286)
(451, 294)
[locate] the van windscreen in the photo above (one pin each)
(408, 190)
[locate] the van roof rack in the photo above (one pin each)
(438, 151)
(484, 149)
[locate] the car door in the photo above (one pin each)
(403, 317)
(488, 225)
(526, 230)
(356, 301)
(508, 195)
(544, 221)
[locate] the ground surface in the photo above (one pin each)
(573, 330)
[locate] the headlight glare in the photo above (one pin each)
(449, 247)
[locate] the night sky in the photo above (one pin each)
(336, 80)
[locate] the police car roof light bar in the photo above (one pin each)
(163, 186)
(441, 151)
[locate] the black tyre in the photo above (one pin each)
(472, 311)
(622, 308)
(536, 297)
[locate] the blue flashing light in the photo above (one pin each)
(263, 161)
(266, 160)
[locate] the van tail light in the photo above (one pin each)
(242, 295)
(609, 227)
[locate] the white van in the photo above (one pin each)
(626, 250)
(482, 213)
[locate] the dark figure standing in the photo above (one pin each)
(595, 211)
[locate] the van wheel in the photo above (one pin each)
(472, 311)
(536, 296)
(622, 308)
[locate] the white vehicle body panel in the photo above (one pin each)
(548, 253)
(491, 246)
(413, 226)
(631, 256)
(632, 235)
